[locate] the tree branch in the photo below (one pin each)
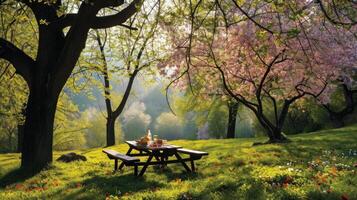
(107, 3)
(121, 106)
(251, 18)
(333, 21)
(64, 21)
(19, 59)
(116, 19)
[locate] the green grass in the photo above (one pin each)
(313, 166)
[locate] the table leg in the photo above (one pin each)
(162, 161)
(193, 166)
(146, 165)
(157, 158)
(115, 164)
(127, 153)
(182, 162)
(135, 170)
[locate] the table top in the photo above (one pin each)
(163, 147)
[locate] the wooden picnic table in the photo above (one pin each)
(165, 154)
(161, 154)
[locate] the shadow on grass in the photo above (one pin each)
(16, 176)
(305, 147)
(318, 195)
(98, 187)
(183, 175)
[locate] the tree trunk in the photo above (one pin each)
(337, 120)
(110, 131)
(278, 137)
(38, 130)
(231, 126)
(274, 132)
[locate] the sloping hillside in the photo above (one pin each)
(313, 166)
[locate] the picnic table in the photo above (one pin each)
(163, 155)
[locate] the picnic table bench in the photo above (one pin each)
(194, 155)
(161, 154)
(126, 160)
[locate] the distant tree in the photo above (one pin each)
(132, 52)
(95, 123)
(12, 97)
(69, 128)
(217, 121)
(232, 118)
(299, 119)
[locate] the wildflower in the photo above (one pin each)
(333, 171)
(344, 197)
(288, 179)
(19, 186)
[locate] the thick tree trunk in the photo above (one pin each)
(232, 117)
(110, 131)
(274, 132)
(38, 130)
(278, 137)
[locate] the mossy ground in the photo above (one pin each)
(313, 166)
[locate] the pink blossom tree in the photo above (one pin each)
(262, 67)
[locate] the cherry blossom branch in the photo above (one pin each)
(251, 18)
(324, 11)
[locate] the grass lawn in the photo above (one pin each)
(314, 166)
